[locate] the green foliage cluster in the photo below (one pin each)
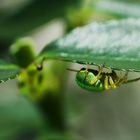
(111, 40)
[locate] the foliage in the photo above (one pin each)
(112, 40)
(111, 43)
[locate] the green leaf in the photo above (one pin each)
(7, 71)
(120, 8)
(114, 43)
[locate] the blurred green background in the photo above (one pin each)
(111, 115)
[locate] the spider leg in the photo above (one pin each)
(132, 80)
(122, 80)
(87, 67)
(112, 84)
(106, 83)
(109, 83)
(98, 76)
(125, 81)
(100, 71)
(87, 71)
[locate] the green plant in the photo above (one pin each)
(113, 43)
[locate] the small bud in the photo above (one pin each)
(39, 67)
(23, 51)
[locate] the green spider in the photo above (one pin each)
(97, 80)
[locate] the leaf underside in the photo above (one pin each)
(7, 71)
(115, 43)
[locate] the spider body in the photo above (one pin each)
(97, 80)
